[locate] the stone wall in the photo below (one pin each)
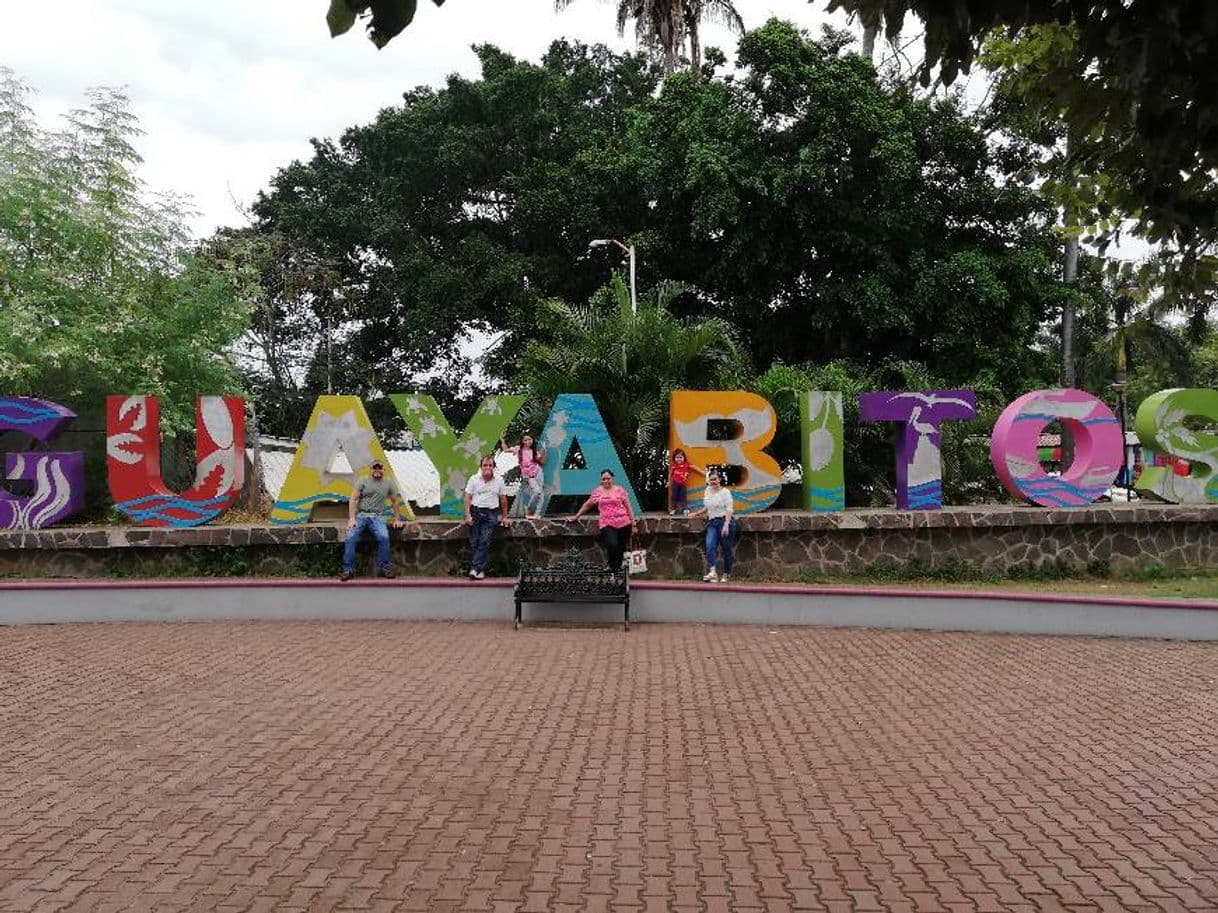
(776, 544)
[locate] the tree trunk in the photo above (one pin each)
(869, 33)
(695, 49)
(253, 478)
(1070, 274)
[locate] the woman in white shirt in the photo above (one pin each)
(720, 527)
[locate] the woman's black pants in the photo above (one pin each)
(615, 542)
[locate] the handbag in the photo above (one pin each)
(636, 561)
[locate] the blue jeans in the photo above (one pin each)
(380, 532)
(528, 499)
(715, 540)
(679, 497)
(481, 532)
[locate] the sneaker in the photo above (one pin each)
(479, 575)
(346, 575)
(473, 574)
(710, 576)
(387, 574)
(724, 578)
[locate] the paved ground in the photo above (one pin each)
(465, 767)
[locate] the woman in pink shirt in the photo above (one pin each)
(532, 458)
(616, 518)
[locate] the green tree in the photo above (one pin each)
(822, 213)
(631, 362)
(833, 217)
(462, 210)
(99, 292)
(1135, 94)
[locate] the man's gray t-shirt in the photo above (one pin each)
(373, 495)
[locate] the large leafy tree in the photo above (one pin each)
(831, 216)
(462, 209)
(99, 291)
(822, 213)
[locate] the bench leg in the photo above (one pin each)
(517, 614)
(627, 613)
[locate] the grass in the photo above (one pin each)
(1147, 580)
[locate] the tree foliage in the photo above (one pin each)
(1082, 174)
(99, 293)
(668, 25)
(821, 213)
(631, 362)
(1135, 92)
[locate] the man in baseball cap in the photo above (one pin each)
(366, 511)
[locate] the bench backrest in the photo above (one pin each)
(571, 575)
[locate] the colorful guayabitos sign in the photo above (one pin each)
(713, 427)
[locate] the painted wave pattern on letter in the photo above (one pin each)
(1044, 419)
(173, 510)
(745, 500)
(827, 500)
(16, 414)
(50, 502)
(291, 513)
(927, 496)
(1052, 490)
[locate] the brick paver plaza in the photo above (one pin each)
(397, 766)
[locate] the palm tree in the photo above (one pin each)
(631, 362)
(667, 24)
(1137, 344)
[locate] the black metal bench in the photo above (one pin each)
(573, 580)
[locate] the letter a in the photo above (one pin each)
(576, 419)
(337, 423)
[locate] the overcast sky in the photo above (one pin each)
(228, 91)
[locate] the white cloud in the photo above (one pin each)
(228, 91)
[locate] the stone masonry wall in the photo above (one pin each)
(777, 544)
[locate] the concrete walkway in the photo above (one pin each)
(463, 767)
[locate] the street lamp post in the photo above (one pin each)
(1119, 385)
(627, 249)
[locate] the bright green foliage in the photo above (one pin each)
(631, 363)
(97, 292)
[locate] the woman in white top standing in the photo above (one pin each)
(720, 527)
